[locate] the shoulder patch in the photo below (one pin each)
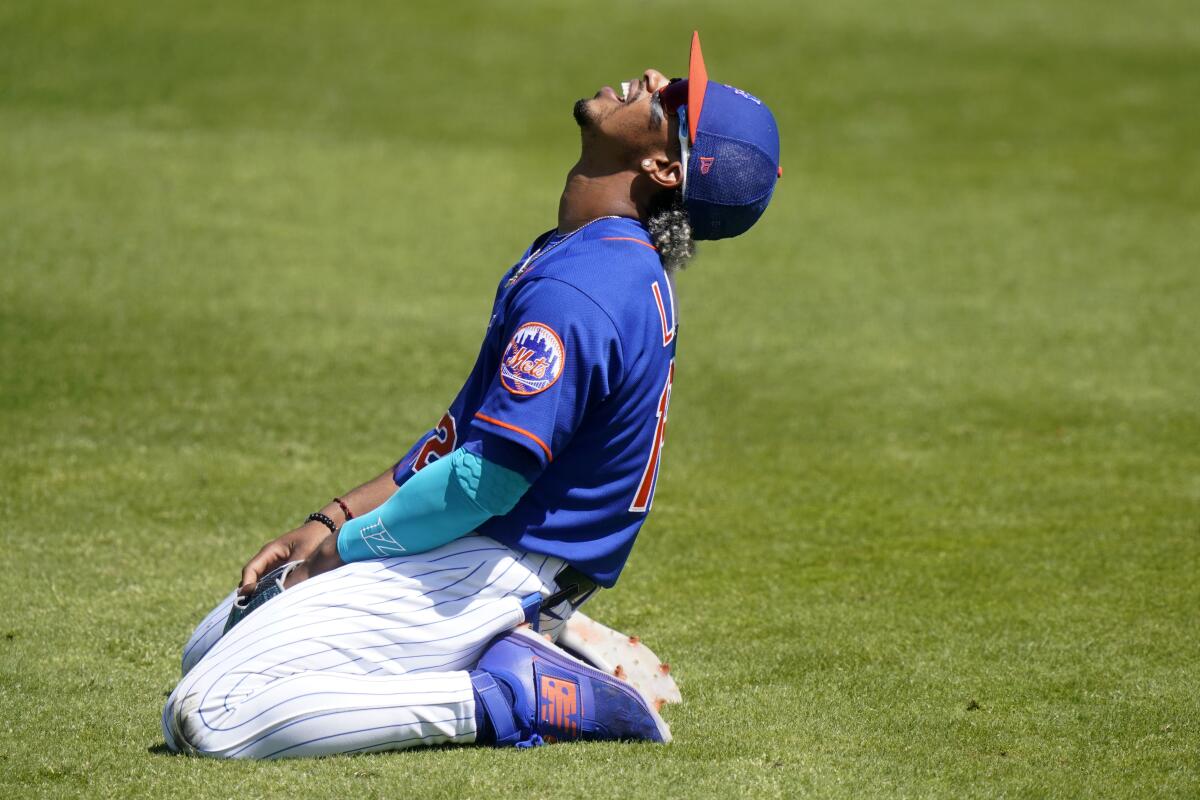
(533, 360)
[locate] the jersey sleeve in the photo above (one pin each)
(402, 469)
(561, 356)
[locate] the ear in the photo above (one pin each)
(664, 171)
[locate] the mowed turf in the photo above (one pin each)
(928, 521)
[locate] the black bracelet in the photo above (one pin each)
(317, 516)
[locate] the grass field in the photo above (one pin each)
(929, 524)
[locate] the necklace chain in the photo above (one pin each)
(549, 245)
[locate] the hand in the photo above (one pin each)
(292, 546)
(325, 558)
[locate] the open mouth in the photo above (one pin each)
(624, 95)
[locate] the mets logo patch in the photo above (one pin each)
(533, 360)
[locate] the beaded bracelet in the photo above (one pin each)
(345, 508)
(317, 516)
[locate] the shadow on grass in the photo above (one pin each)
(161, 749)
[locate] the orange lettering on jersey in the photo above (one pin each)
(559, 705)
(667, 333)
(645, 491)
(519, 357)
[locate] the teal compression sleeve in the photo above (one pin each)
(445, 500)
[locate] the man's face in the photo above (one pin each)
(636, 124)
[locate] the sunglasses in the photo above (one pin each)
(673, 99)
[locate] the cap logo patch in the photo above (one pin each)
(745, 94)
(706, 163)
(533, 360)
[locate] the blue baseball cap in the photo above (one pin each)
(730, 146)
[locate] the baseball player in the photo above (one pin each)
(394, 616)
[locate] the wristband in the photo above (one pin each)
(345, 508)
(317, 516)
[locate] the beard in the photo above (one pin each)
(583, 117)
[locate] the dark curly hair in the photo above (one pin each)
(671, 230)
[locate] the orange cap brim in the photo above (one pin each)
(697, 84)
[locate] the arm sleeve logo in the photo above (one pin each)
(533, 360)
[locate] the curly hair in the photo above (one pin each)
(671, 230)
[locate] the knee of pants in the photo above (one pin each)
(186, 731)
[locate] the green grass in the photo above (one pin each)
(928, 525)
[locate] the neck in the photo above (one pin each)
(591, 193)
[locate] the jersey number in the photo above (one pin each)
(440, 444)
(645, 491)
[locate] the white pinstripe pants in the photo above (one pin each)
(371, 656)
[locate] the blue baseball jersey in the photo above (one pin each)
(574, 375)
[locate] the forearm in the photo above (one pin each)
(359, 500)
(312, 543)
(303, 542)
(445, 500)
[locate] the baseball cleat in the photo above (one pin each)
(622, 655)
(554, 697)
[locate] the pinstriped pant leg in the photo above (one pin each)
(371, 656)
(316, 713)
